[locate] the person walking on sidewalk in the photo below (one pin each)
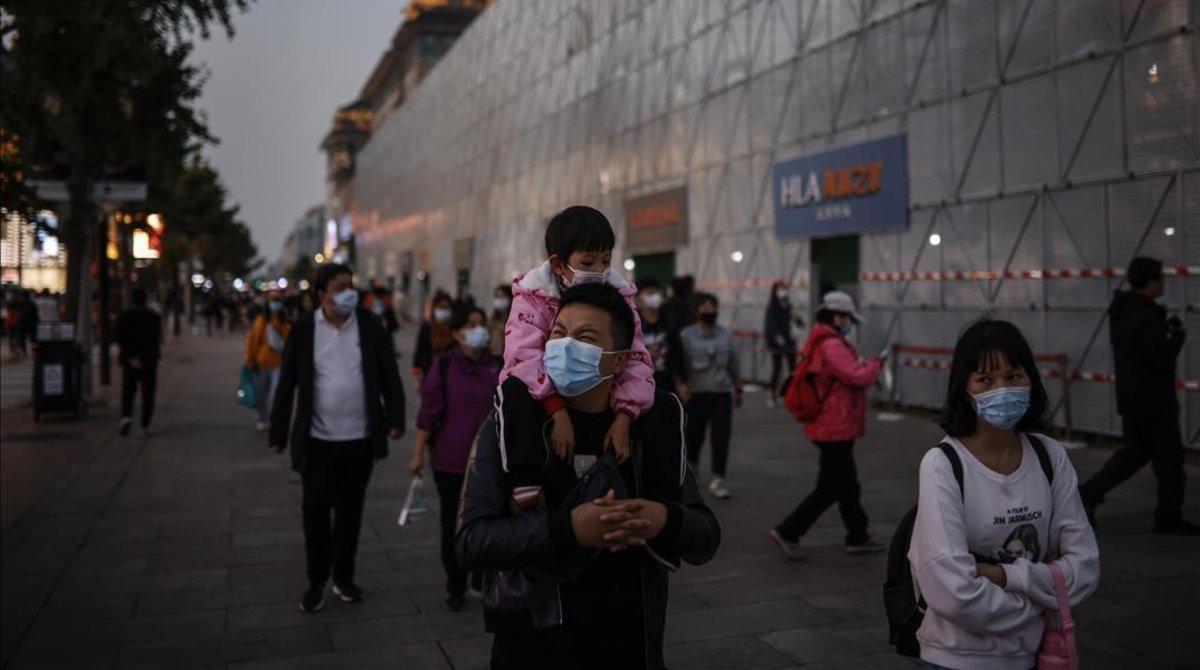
(340, 365)
(264, 353)
(434, 336)
(468, 373)
(713, 387)
(139, 336)
(1145, 345)
(998, 513)
(841, 381)
(777, 331)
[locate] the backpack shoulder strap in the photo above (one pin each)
(1043, 457)
(955, 465)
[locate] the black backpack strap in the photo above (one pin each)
(955, 465)
(1043, 457)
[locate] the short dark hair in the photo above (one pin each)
(647, 283)
(978, 344)
(701, 298)
(462, 316)
(1142, 271)
(607, 298)
(138, 296)
(579, 228)
(325, 274)
(683, 286)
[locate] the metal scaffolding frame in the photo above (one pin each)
(1047, 133)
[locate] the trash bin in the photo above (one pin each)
(57, 363)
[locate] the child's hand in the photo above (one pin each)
(562, 436)
(618, 437)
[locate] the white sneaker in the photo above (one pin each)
(717, 488)
(260, 426)
(771, 401)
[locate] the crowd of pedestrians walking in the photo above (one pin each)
(563, 423)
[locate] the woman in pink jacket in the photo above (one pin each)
(841, 381)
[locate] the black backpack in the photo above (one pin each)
(904, 609)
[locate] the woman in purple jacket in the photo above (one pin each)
(468, 373)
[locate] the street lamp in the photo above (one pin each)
(630, 264)
(935, 239)
(319, 257)
(737, 256)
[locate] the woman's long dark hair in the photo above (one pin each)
(775, 303)
(982, 342)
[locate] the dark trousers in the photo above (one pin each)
(131, 379)
(1154, 441)
(706, 408)
(449, 488)
(777, 358)
(334, 480)
(837, 482)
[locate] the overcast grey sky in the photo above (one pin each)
(272, 93)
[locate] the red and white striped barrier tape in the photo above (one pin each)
(1056, 373)
(713, 284)
(1054, 273)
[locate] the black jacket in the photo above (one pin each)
(1144, 351)
(381, 384)
(523, 556)
(777, 325)
(139, 335)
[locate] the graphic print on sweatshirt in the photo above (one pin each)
(1008, 516)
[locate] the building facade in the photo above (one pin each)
(1045, 144)
(428, 30)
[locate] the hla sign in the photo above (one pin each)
(855, 189)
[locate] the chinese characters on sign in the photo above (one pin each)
(657, 222)
(855, 189)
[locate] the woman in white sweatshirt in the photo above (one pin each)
(981, 554)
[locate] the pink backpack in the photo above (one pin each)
(1058, 644)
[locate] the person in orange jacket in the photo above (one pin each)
(264, 353)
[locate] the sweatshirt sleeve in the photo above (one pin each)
(634, 392)
(942, 564)
(524, 343)
(839, 361)
(1072, 544)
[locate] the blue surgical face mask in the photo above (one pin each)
(377, 308)
(345, 300)
(573, 366)
(476, 337)
(1002, 407)
(846, 328)
(276, 306)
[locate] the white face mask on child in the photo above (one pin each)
(584, 277)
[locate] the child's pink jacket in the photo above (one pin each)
(534, 306)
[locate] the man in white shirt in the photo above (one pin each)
(340, 364)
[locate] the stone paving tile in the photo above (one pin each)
(89, 659)
(468, 653)
(185, 551)
(282, 615)
(731, 653)
(197, 651)
(741, 620)
(429, 626)
(90, 586)
(113, 633)
(59, 610)
(419, 655)
(829, 643)
(39, 558)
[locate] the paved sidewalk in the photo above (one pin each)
(184, 550)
